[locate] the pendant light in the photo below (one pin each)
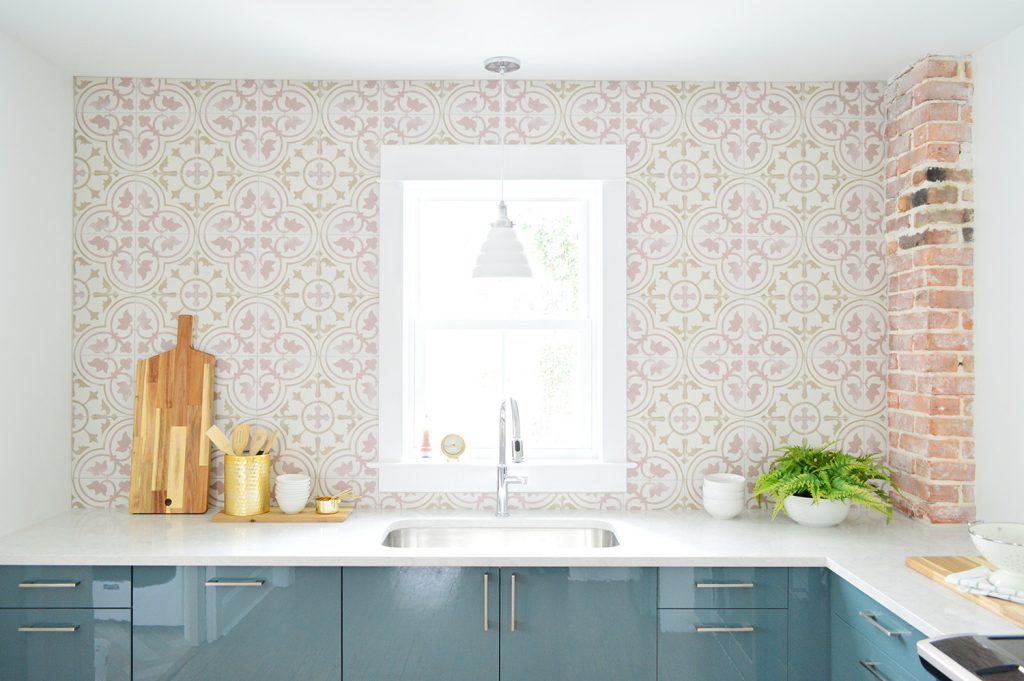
(501, 254)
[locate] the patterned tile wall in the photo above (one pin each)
(756, 299)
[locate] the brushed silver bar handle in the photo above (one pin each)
(725, 585)
(49, 630)
(873, 619)
(724, 630)
(236, 582)
(513, 601)
(48, 585)
(487, 610)
(872, 669)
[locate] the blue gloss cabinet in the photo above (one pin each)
(472, 624)
(236, 623)
(866, 634)
(579, 624)
(76, 644)
(420, 624)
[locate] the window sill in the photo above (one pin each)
(436, 475)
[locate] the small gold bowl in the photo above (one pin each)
(327, 505)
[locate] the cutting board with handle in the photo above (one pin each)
(173, 410)
(937, 567)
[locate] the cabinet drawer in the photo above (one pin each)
(707, 587)
(68, 586)
(71, 645)
(722, 645)
(890, 634)
(855, 658)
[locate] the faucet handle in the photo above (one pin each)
(517, 450)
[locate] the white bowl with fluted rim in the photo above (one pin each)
(1002, 544)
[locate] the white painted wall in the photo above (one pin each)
(35, 287)
(999, 277)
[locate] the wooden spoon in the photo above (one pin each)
(259, 438)
(270, 443)
(240, 438)
(218, 438)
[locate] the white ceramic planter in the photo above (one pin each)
(825, 513)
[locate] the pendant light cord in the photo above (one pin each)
(501, 136)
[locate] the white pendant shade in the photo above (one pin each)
(502, 255)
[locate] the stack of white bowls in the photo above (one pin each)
(292, 492)
(724, 495)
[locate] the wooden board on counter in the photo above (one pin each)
(276, 515)
(937, 567)
(173, 410)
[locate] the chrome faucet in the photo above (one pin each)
(504, 479)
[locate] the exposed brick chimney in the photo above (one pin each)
(929, 221)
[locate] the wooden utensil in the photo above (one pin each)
(240, 438)
(218, 438)
(270, 444)
(170, 470)
(259, 438)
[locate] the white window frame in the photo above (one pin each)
(606, 470)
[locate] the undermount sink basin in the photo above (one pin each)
(500, 536)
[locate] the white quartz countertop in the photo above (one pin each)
(863, 550)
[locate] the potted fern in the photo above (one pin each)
(817, 485)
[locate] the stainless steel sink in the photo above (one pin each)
(501, 537)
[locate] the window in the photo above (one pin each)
(453, 347)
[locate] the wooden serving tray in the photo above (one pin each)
(937, 567)
(276, 515)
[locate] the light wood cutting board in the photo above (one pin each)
(173, 410)
(276, 515)
(937, 567)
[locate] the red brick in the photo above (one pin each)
(935, 276)
(944, 299)
(950, 427)
(934, 67)
(902, 382)
(941, 132)
(963, 255)
(943, 449)
(950, 514)
(933, 90)
(946, 385)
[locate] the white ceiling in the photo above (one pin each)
(556, 39)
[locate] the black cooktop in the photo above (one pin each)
(988, 658)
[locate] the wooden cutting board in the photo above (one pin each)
(276, 515)
(937, 567)
(173, 410)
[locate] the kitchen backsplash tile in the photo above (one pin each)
(755, 263)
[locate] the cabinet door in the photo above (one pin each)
(722, 645)
(236, 623)
(420, 624)
(585, 624)
(70, 645)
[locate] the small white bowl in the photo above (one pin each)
(1002, 544)
(723, 509)
(292, 506)
(723, 494)
(293, 478)
(724, 482)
